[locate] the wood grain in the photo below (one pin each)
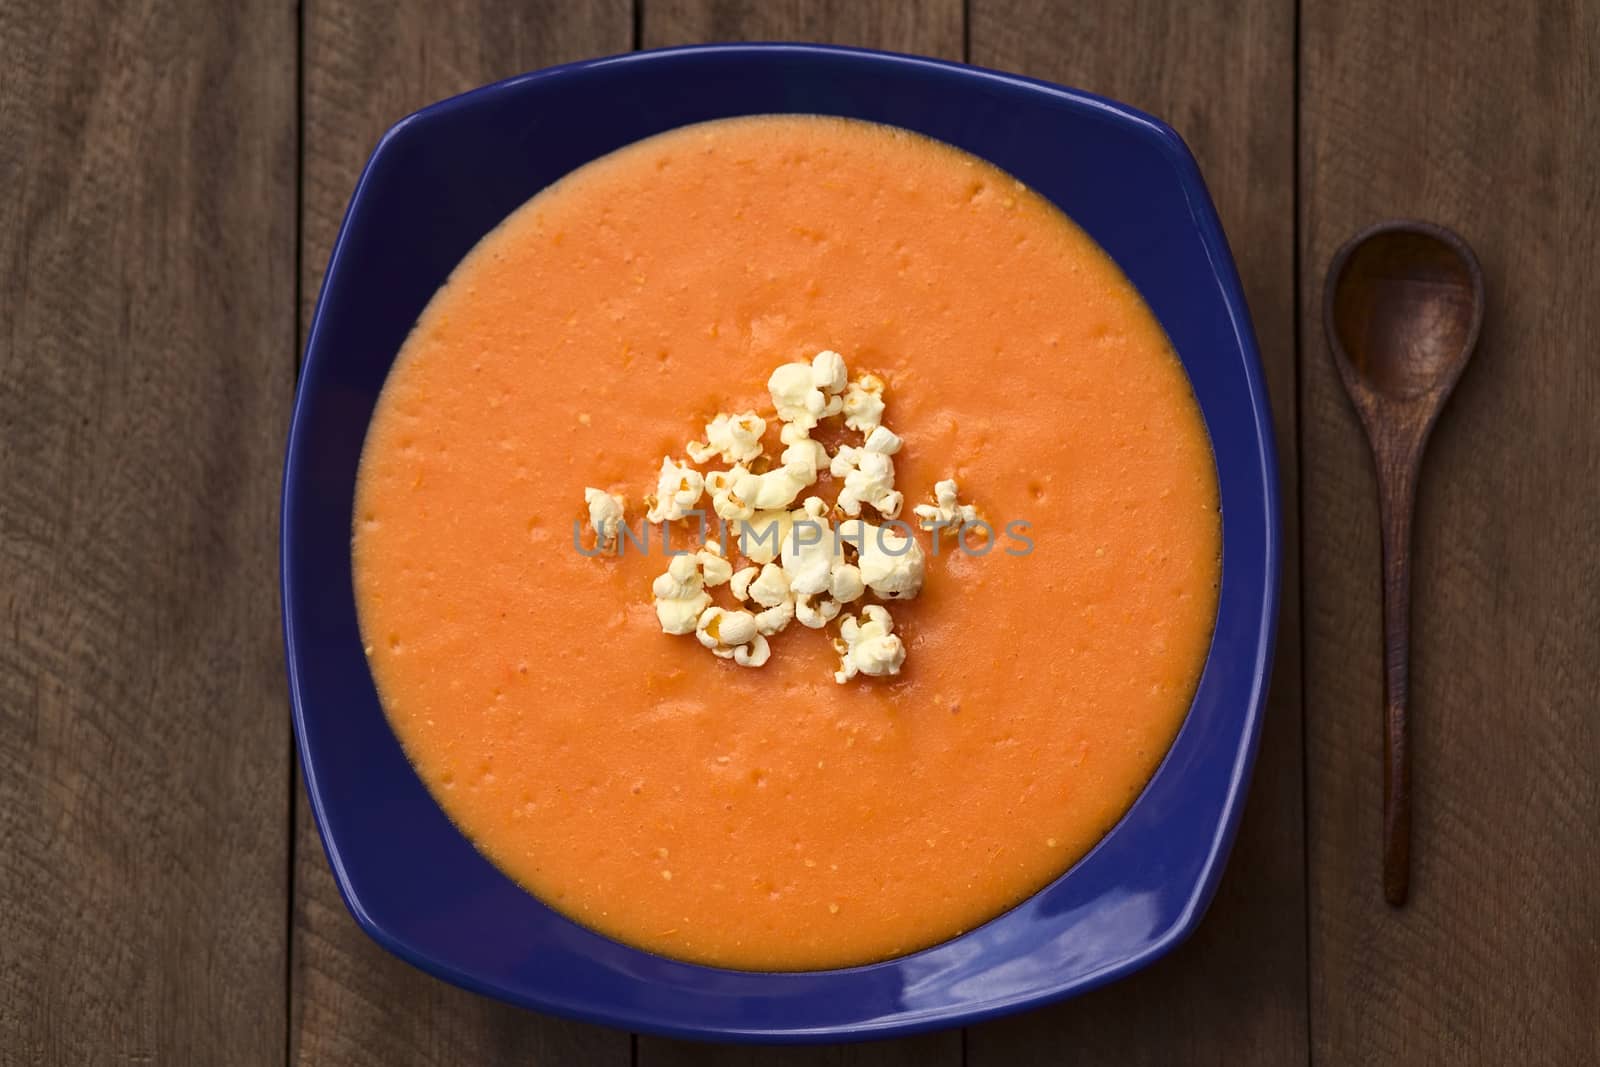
(147, 258)
(926, 27)
(1223, 74)
(930, 27)
(366, 66)
(1472, 117)
(147, 243)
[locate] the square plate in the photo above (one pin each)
(443, 178)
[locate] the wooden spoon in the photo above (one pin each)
(1402, 308)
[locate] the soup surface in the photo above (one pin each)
(771, 818)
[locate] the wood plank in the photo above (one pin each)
(930, 27)
(367, 65)
(1478, 117)
(927, 1050)
(147, 251)
(926, 27)
(1222, 73)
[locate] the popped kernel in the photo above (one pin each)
(892, 565)
(739, 583)
(807, 393)
(678, 490)
(727, 504)
(715, 570)
(867, 644)
(813, 613)
(605, 515)
(775, 489)
(732, 635)
(763, 533)
(863, 403)
(946, 513)
(811, 549)
(680, 596)
(868, 474)
(720, 630)
(730, 438)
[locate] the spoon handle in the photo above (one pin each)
(1397, 497)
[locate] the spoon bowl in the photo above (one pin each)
(1405, 302)
(1402, 309)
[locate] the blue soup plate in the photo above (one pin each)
(444, 177)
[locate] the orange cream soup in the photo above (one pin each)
(770, 818)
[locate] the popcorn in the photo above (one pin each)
(731, 438)
(767, 587)
(774, 489)
(724, 501)
(870, 483)
(892, 565)
(945, 513)
(883, 440)
(806, 456)
(755, 653)
(678, 489)
(829, 373)
(681, 580)
(762, 534)
(813, 613)
(868, 645)
(811, 550)
(807, 393)
(733, 635)
(605, 515)
(680, 596)
(791, 389)
(868, 474)
(799, 571)
(713, 566)
(820, 579)
(771, 588)
(739, 584)
(722, 631)
(863, 403)
(845, 583)
(776, 618)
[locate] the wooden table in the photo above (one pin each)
(173, 177)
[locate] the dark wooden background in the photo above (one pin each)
(171, 177)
